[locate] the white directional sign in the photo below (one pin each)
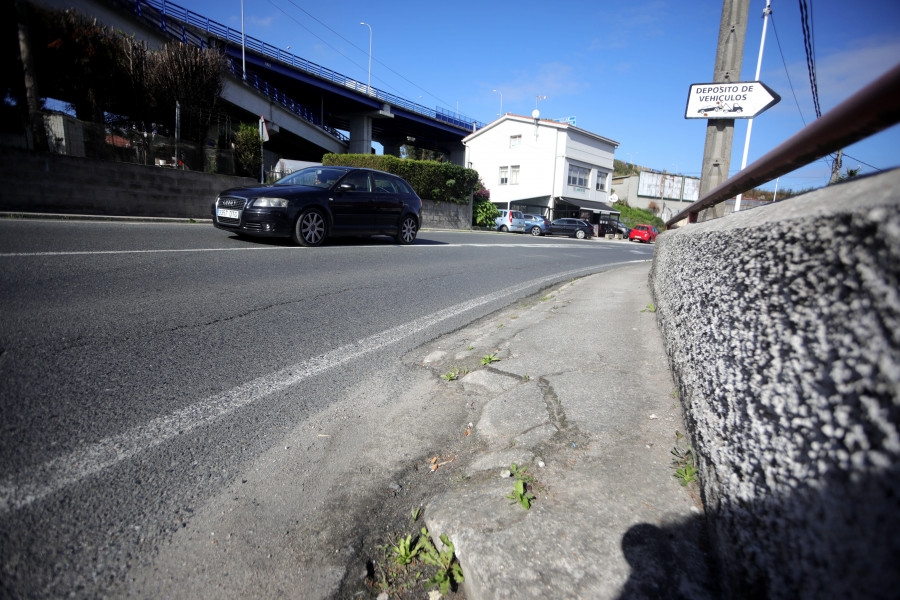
(738, 100)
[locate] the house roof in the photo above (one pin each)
(540, 122)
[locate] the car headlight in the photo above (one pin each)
(270, 203)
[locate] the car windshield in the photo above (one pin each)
(322, 177)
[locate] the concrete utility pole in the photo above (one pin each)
(720, 132)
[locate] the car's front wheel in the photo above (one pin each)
(408, 230)
(580, 234)
(535, 231)
(309, 230)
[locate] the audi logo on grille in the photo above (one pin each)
(231, 202)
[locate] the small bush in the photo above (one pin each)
(441, 182)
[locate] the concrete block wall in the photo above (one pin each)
(446, 215)
(782, 327)
(35, 182)
(52, 183)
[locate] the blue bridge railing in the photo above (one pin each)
(272, 92)
(173, 19)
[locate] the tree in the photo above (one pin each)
(846, 174)
(416, 153)
(247, 151)
(190, 76)
(32, 102)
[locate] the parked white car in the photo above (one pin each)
(510, 220)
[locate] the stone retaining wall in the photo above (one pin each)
(53, 183)
(782, 327)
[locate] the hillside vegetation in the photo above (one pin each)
(638, 216)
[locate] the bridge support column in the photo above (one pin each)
(392, 147)
(361, 134)
(458, 155)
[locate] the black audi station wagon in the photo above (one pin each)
(320, 202)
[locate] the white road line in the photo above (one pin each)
(252, 249)
(53, 476)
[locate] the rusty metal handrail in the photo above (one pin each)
(868, 111)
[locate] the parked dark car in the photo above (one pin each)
(320, 202)
(536, 224)
(572, 228)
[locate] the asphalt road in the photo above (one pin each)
(147, 368)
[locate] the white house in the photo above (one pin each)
(544, 167)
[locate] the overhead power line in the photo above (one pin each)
(783, 62)
(808, 44)
(323, 24)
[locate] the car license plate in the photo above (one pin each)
(228, 213)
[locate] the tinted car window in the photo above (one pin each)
(359, 180)
(318, 177)
(385, 185)
(402, 186)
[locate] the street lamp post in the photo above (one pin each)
(501, 100)
(369, 82)
(243, 44)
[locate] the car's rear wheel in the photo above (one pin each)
(580, 234)
(503, 229)
(309, 230)
(535, 231)
(408, 230)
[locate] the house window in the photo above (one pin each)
(601, 181)
(578, 176)
(514, 175)
(504, 175)
(515, 140)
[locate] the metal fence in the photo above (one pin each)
(73, 137)
(872, 109)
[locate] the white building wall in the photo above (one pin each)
(534, 155)
(543, 155)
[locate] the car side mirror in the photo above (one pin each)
(346, 187)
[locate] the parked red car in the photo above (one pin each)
(643, 233)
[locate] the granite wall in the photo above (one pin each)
(782, 327)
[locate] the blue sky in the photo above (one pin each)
(622, 69)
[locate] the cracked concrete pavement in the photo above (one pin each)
(582, 397)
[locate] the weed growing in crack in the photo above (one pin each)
(453, 374)
(404, 551)
(686, 474)
(449, 572)
(407, 562)
(521, 494)
(521, 489)
(490, 358)
(684, 462)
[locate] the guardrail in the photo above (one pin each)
(298, 109)
(872, 109)
(183, 16)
